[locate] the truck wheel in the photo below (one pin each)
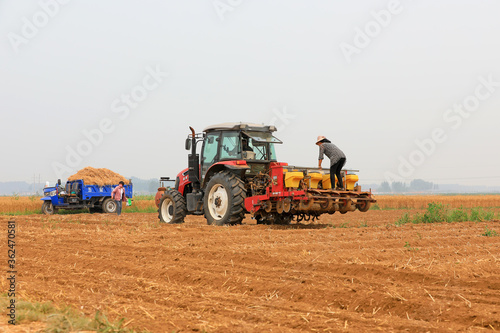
(48, 208)
(172, 207)
(224, 201)
(109, 206)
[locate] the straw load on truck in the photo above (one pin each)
(98, 176)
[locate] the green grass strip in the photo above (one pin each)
(437, 212)
(63, 319)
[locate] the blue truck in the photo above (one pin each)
(77, 195)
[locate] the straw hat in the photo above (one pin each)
(320, 138)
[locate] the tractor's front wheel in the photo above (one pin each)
(224, 201)
(172, 207)
(48, 208)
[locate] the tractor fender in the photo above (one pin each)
(238, 166)
(182, 180)
(159, 194)
(56, 200)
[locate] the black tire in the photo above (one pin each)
(109, 206)
(224, 201)
(48, 208)
(172, 207)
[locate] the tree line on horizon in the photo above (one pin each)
(416, 185)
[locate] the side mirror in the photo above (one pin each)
(188, 144)
(58, 182)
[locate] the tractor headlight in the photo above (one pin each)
(51, 193)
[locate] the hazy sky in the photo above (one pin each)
(407, 89)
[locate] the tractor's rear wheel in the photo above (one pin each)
(48, 208)
(172, 207)
(224, 201)
(109, 206)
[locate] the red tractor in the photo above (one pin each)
(238, 173)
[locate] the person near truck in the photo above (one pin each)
(119, 196)
(337, 160)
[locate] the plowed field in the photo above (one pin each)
(355, 272)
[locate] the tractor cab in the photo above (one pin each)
(252, 145)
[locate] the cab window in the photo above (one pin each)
(230, 146)
(273, 152)
(209, 154)
(260, 150)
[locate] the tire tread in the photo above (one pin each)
(180, 208)
(238, 195)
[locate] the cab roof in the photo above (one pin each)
(241, 126)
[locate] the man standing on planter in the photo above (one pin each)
(337, 160)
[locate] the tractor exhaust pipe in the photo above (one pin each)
(193, 132)
(194, 163)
